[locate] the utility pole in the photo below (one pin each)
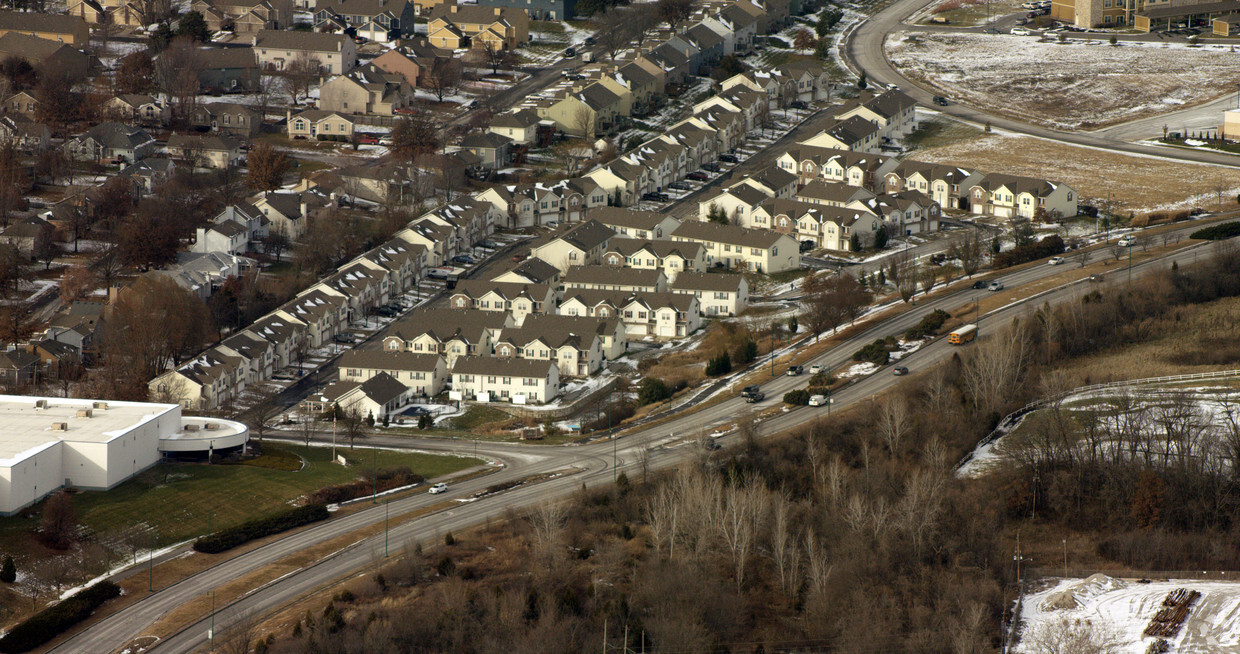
(211, 632)
(150, 564)
(374, 476)
(772, 348)
(1065, 557)
(1130, 264)
(387, 514)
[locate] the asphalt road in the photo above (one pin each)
(864, 50)
(590, 464)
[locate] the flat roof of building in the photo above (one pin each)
(28, 422)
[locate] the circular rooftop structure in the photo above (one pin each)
(204, 435)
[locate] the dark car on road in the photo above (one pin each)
(940, 100)
(977, 286)
(899, 371)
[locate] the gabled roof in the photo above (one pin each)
(833, 192)
(367, 8)
(587, 235)
(612, 276)
(552, 334)
(485, 140)
(1017, 184)
(520, 119)
(313, 305)
(690, 280)
(311, 41)
(509, 291)
(446, 324)
(851, 130)
(17, 360)
(845, 158)
(223, 58)
(660, 248)
(315, 115)
(732, 234)
(819, 212)
(890, 104)
(380, 389)
(21, 21)
(503, 366)
(630, 218)
(389, 360)
(746, 193)
(471, 13)
(597, 96)
(117, 136)
(534, 269)
(207, 142)
(773, 177)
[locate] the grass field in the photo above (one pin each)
(176, 499)
(477, 417)
(1138, 184)
(939, 132)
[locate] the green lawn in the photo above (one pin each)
(177, 498)
(478, 415)
(937, 132)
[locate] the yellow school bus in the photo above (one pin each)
(962, 335)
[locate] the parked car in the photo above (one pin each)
(806, 246)
(697, 176)
(729, 158)
(1021, 31)
(463, 259)
(815, 369)
(589, 40)
(798, 104)
(367, 139)
(793, 371)
(1022, 21)
(489, 244)
(656, 197)
(518, 258)
(343, 338)
(1055, 261)
(899, 371)
(680, 186)
(940, 100)
(818, 400)
(753, 398)
(712, 167)
(992, 30)
(995, 286)
(439, 488)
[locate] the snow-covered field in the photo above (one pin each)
(1121, 609)
(1074, 85)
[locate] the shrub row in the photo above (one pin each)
(388, 478)
(1217, 232)
(799, 397)
(876, 353)
(1046, 247)
(245, 532)
(54, 620)
(928, 326)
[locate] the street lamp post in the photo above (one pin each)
(374, 476)
(387, 513)
(150, 565)
(211, 632)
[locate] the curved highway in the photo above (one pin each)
(864, 50)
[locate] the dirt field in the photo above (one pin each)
(1073, 85)
(1138, 184)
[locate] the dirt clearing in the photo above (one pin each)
(1075, 85)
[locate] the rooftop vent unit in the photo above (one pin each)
(85, 413)
(101, 405)
(60, 426)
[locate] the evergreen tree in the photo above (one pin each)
(8, 573)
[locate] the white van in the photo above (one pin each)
(818, 400)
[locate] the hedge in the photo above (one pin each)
(388, 478)
(876, 353)
(928, 326)
(1217, 232)
(55, 620)
(799, 397)
(1046, 247)
(245, 532)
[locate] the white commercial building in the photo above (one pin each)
(49, 443)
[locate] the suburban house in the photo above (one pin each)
(491, 149)
(524, 205)
(242, 121)
(808, 79)
(228, 69)
(24, 135)
(205, 150)
(577, 352)
(212, 379)
(578, 245)
(835, 165)
(539, 9)
(906, 212)
(530, 271)
(834, 228)
(757, 250)
(657, 315)
(1010, 196)
(334, 54)
(735, 204)
(368, 91)
(23, 235)
(61, 28)
(21, 105)
(518, 299)
(587, 111)
(645, 85)
(245, 16)
(607, 278)
(520, 381)
(404, 263)
(946, 185)
(111, 141)
(423, 374)
(376, 20)
(451, 333)
(749, 104)
(137, 108)
(289, 212)
(149, 173)
(377, 398)
(236, 229)
(718, 294)
(519, 125)
(19, 368)
(204, 273)
(320, 124)
(439, 240)
(671, 257)
(631, 223)
(454, 27)
(81, 326)
(324, 315)
(623, 181)
(45, 54)
(414, 60)
(892, 111)
(833, 194)
(853, 133)
(773, 181)
(610, 330)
